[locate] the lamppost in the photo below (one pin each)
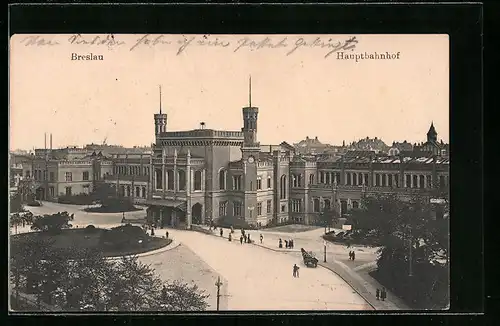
(324, 244)
(218, 284)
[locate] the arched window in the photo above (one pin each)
(316, 205)
(311, 179)
(137, 191)
(299, 180)
(128, 191)
(197, 180)
(182, 179)
(269, 182)
(327, 204)
(222, 179)
(143, 192)
(159, 179)
(294, 180)
(421, 181)
(283, 187)
(170, 180)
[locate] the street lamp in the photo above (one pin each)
(218, 284)
(324, 244)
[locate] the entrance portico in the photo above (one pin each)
(169, 213)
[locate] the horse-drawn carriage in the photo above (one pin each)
(309, 259)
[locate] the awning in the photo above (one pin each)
(179, 204)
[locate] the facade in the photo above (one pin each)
(204, 174)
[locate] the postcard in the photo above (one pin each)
(202, 173)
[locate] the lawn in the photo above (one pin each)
(95, 239)
(293, 228)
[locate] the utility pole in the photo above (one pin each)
(218, 284)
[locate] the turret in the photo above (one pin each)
(432, 134)
(160, 121)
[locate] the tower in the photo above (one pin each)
(250, 115)
(250, 155)
(432, 134)
(160, 121)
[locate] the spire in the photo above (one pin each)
(250, 91)
(160, 97)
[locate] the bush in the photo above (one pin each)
(90, 229)
(34, 203)
(80, 199)
(125, 235)
(235, 222)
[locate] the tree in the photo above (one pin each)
(15, 220)
(16, 204)
(53, 223)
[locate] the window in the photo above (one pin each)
(408, 181)
(355, 205)
(86, 176)
(348, 179)
(429, 181)
(52, 176)
(138, 191)
(316, 206)
(237, 208)
(390, 179)
(182, 179)
(415, 181)
(170, 180)
(128, 191)
(143, 192)
(442, 183)
(86, 189)
(321, 177)
(283, 208)
(354, 179)
(377, 180)
(269, 206)
(422, 181)
(44, 175)
(360, 178)
(283, 187)
(311, 179)
(259, 184)
(28, 174)
(197, 180)
(295, 181)
(296, 205)
(222, 179)
(122, 191)
(223, 208)
(384, 180)
(51, 191)
(159, 179)
(68, 189)
(259, 209)
(237, 182)
(68, 176)
(396, 180)
(327, 204)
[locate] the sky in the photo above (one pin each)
(300, 89)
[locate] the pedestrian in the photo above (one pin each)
(261, 238)
(245, 238)
(295, 270)
(249, 241)
(286, 244)
(166, 234)
(232, 229)
(350, 255)
(290, 243)
(221, 232)
(241, 239)
(377, 294)
(353, 255)
(280, 243)
(383, 294)
(152, 231)
(230, 238)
